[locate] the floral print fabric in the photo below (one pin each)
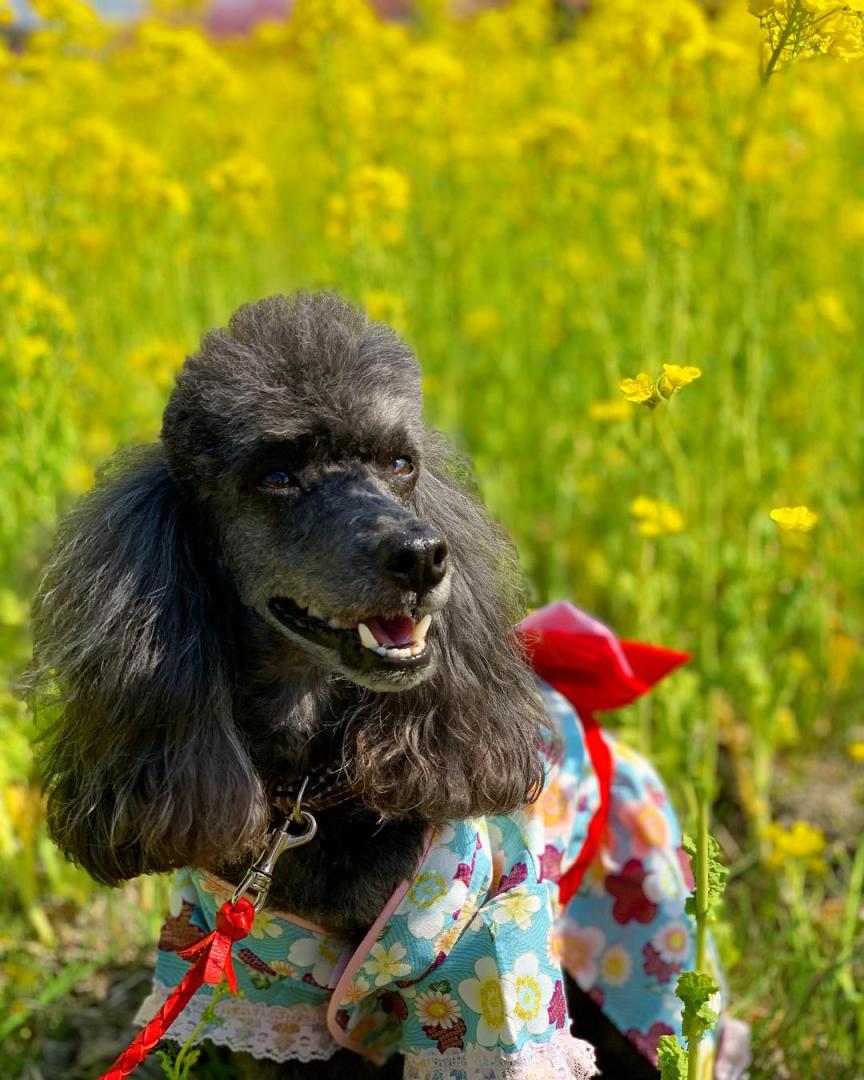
(467, 958)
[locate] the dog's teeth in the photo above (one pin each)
(421, 629)
(381, 650)
(367, 638)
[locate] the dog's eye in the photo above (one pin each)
(403, 466)
(276, 480)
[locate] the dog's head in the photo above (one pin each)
(299, 430)
(296, 495)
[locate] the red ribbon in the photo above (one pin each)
(212, 956)
(583, 660)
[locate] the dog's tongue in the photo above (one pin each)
(393, 631)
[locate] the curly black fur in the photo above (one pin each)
(178, 696)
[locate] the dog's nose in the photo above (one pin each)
(415, 561)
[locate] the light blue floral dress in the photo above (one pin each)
(462, 972)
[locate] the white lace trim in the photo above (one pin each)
(277, 1032)
(562, 1058)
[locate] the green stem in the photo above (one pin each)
(781, 44)
(694, 1045)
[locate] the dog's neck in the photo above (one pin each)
(293, 718)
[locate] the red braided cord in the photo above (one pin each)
(233, 923)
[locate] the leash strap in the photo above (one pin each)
(212, 956)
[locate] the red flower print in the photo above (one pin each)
(516, 876)
(631, 903)
(557, 1009)
(391, 1002)
(598, 996)
(686, 868)
(646, 1043)
(655, 965)
(550, 864)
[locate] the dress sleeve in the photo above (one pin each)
(496, 1010)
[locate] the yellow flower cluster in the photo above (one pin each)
(800, 843)
(655, 517)
(794, 518)
(643, 390)
(809, 27)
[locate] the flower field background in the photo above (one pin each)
(551, 203)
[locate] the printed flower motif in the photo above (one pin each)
(436, 894)
(320, 954)
(436, 1008)
(648, 827)
(663, 884)
(631, 903)
(517, 875)
(182, 888)
(615, 966)
(794, 518)
(266, 925)
(358, 989)
(484, 995)
(655, 966)
(557, 1009)
(527, 993)
(385, 965)
(672, 941)
(550, 863)
(518, 906)
(646, 1043)
(579, 947)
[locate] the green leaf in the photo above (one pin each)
(718, 876)
(671, 1058)
(695, 989)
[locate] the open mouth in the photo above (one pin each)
(375, 641)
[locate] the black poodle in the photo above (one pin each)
(294, 581)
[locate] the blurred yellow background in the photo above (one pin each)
(551, 202)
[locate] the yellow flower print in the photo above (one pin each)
(527, 993)
(794, 518)
(518, 906)
(615, 966)
(266, 926)
(357, 991)
(321, 954)
(385, 965)
(435, 1008)
(483, 995)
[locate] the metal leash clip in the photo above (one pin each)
(256, 883)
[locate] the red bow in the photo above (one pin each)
(583, 660)
(233, 923)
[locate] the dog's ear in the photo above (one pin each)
(142, 763)
(467, 740)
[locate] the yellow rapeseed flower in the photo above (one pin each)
(482, 322)
(79, 477)
(803, 843)
(675, 377)
(655, 517)
(384, 306)
(794, 518)
(856, 750)
(604, 411)
(640, 391)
